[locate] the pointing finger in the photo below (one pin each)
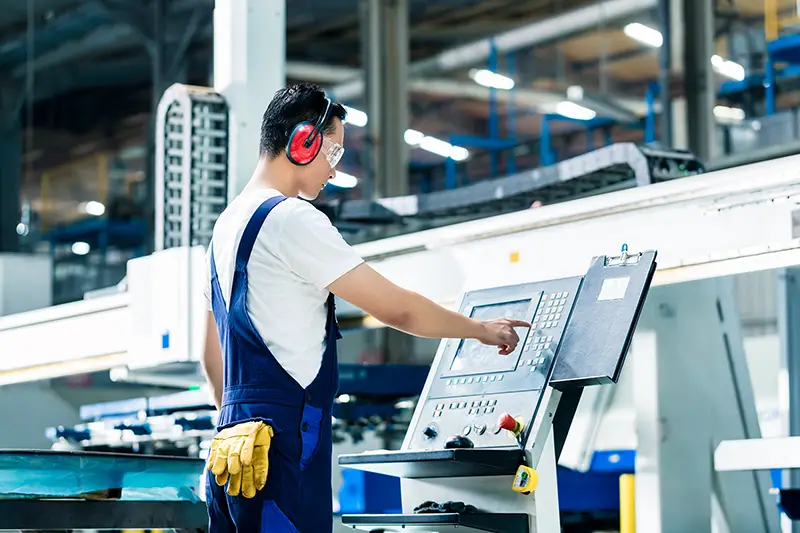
(519, 323)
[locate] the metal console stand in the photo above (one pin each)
(488, 429)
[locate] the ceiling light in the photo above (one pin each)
(574, 111)
(644, 34)
(490, 79)
(575, 93)
(434, 145)
(727, 68)
(81, 248)
(732, 114)
(343, 180)
(652, 37)
(93, 208)
(356, 117)
(413, 137)
(459, 153)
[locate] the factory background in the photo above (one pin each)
(458, 111)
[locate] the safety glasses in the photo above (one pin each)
(332, 151)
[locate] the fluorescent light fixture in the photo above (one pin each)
(356, 117)
(343, 398)
(644, 34)
(80, 248)
(575, 111)
(575, 93)
(459, 153)
(727, 68)
(652, 37)
(732, 114)
(490, 79)
(434, 145)
(93, 208)
(343, 180)
(413, 137)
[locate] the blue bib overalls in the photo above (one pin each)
(298, 494)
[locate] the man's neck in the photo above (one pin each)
(275, 174)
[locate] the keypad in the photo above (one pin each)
(548, 315)
(476, 407)
(475, 379)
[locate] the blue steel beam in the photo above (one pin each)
(482, 142)
(71, 25)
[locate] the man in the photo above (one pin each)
(275, 264)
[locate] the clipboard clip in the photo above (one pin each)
(624, 258)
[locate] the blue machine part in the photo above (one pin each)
(587, 491)
(397, 381)
(356, 411)
(366, 493)
(137, 429)
(201, 423)
(614, 461)
(70, 434)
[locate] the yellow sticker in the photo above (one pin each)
(514, 257)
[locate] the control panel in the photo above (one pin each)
(476, 397)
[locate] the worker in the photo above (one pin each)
(274, 265)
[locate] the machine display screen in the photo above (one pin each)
(473, 357)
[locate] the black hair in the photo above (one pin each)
(289, 107)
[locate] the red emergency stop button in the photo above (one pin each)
(509, 423)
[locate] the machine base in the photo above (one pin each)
(441, 523)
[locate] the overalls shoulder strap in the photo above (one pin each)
(251, 231)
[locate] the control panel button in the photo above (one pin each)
(430, 432)
(466, 431)
(509, 423)
(480, 429)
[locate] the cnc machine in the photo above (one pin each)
(488, 428)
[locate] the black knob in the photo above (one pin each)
(459, 441)
(429, 432)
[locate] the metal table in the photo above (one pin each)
(45, 489)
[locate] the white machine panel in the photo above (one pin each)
(167, 307)
(77, 337)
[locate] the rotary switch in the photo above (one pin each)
(430, 432)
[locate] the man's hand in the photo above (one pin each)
(501, 333)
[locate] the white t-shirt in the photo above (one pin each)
(297, 254)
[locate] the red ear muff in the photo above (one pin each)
(296, 149)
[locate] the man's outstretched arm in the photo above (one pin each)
(414, 314)
(212, 359)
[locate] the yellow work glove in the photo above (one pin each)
(241, 451)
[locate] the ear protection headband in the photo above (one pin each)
(305, 141)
